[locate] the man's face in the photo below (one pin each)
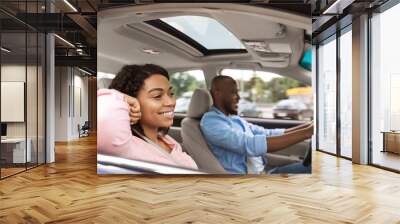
(230, 97)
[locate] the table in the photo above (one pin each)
(15, 148)
(391, 141)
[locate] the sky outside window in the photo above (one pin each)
(206, 31)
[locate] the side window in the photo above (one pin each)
(269, 95)
(104, 80)
(184, 83)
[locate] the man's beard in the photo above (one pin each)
(230, 109)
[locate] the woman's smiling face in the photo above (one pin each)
(157, 102)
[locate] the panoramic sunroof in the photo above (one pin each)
(208, 32)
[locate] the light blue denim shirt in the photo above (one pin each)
(232, 139)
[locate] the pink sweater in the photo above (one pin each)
(114, 136)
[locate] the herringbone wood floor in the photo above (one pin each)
(70, 191)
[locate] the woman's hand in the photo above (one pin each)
(134, 109)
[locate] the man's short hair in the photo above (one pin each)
(217, 81)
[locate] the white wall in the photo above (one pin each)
(33, 126)
(62, 81)
(71, 102)
(16, 73)
(80, 110)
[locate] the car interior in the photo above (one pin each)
(170, 35)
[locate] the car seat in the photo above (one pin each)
(193, 140)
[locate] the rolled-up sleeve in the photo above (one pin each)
(219, 132)
(267, 132)
(274, 132)
(114, 133)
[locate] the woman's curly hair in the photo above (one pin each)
(130, 79)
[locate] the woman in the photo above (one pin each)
(134, 116)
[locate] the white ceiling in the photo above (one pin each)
(122, 36)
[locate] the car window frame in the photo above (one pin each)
(184, 114)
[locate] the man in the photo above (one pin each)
(232, 139)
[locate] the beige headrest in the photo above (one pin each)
(199, 104)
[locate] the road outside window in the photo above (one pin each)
(269, 95)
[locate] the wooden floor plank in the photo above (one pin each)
(70, 191)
